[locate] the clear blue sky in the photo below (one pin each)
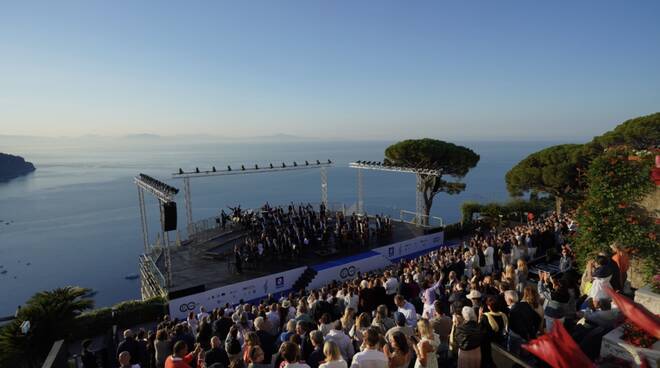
(373, 69)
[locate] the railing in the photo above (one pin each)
(57, 357)
(419, 219)
(152, 280)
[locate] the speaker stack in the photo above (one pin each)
(168, 216)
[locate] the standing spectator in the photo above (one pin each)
(216, 354)
(252, 352)
(401, 326)
(222, 324)
(397, 351)
(381, 320)
(622, 260)
(370, 356)
(131, 346)
(125, 360)
(333, 357)
(468, 338)
(343, 341)
(181, 358)
(233, 345)
(494, 325)
(306, 343)
(426, 346)
(407, 309)
(163, 347)
(316, 356)
(267, 341)
(87, 356)
(441, 323)
(521, 276)
(524, 321)
(291, 354)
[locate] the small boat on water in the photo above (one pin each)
(133, 276)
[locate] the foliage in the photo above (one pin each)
(127, 314)
(512, 210)
(50, 314)
(58, 314)
(639, 133)
(459, 230)
(636, 336)
(618, 180)
(452, 160)
(555, 170)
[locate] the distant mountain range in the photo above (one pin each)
(14, 166)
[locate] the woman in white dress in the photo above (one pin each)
(426, 346)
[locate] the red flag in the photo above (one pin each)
(558, 349)
(637, 313)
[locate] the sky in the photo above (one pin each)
(338, 69)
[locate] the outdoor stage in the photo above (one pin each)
(204, 274)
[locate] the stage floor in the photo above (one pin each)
(211, 263)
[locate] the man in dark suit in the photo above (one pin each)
(216, 354)
(524, 322)
(131, 346)
(265, 338)
(316, 356)
(306, 346)
(222, 324)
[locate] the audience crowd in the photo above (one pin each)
(443, 309)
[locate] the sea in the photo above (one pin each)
(75, 221)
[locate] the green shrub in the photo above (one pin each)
(618, 180)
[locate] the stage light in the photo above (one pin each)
(318, 162)
(283, 165)
(306, 163)
(329, 162)
(197, 170)
(295, 164)
(271, 165)
(214, 170)
(180, 171)
(243, 167)
(256, 167)
(228, 168)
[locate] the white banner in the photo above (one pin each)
(232, 294)
(347, 268)
(412, 247)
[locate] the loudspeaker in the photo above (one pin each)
(168, 216)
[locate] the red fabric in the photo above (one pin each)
(179, 363)
(558, 349)
(637, 314)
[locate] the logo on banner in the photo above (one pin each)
(347, 272)
(279, 282)
(187, 307)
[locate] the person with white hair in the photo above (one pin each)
(468, 338)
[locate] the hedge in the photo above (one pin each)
(127, 314)
(512, 210)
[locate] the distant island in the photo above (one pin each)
(14, 166)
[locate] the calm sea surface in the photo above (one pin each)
(75, 220)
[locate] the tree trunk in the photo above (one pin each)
(427, 210)
(558, 203)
